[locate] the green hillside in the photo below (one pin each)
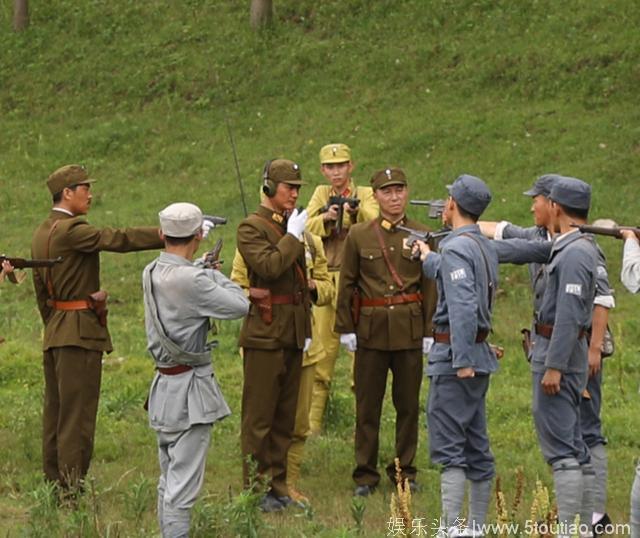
(142, 91)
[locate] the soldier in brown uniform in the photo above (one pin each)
(391, 330)
(276, 330)
(75, 337)
(336, 166)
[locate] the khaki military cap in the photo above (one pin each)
(335, 153)
(388, 176)
(181, 219)
(68, 176)
(283, 171)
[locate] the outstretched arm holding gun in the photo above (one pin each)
(211, 258)
(419, 235)
(619, 232)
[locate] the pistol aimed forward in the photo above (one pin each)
(611, 231)
(436, 207)
(340, 201)
(216, 221)
(421, 235)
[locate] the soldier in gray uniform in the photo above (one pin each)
(559, 361)
(591, 402)
(185, 400)
(461, 360)
(630, 277)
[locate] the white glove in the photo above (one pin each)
(307, 345)
(349, 341)
(207, 225)
(427, 342)
(296, 222)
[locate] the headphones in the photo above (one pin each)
(268, 186)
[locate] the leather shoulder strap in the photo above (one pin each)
(47, 271)
(385, 255)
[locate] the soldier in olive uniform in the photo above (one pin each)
(74, 336)
(336, 166)
(276, 330)
(322, 293)
(461, 361)
(390, 330)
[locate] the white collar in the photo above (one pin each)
(66, 211)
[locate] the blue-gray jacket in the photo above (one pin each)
(463, 269)
(567, 302)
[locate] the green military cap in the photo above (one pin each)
(335, 153)
(388, 176)
(68, 176)
(283, 171)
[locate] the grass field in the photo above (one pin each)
(141, 92)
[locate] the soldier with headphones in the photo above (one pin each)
(276, 330)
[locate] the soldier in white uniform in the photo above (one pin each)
(185, 400)
(631, 279)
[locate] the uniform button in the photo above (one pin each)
(391, 307)
(391, 287)
(391, 249)
(370, 256)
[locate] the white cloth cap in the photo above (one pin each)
(181, 219)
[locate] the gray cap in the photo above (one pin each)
(180, 219)
(542, 186)
(470, 193)
(571, 192)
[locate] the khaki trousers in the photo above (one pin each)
(72, 388)
(324, 320)
(269, 398)
(370, 369)
(301, 429)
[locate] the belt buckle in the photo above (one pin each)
(388, 299)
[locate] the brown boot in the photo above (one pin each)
(297, 495)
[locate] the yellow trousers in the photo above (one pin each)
(301, 429)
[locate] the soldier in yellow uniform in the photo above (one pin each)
(322, 293)
(385, 306)
(336, 166)
(276, 330)
(75, 331)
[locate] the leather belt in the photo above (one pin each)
(175, 370)
(80, 304)
(445, 337)
(296, 298)
(547, 330)
(389, 300)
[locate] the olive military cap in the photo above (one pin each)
(283, 171)
(470, 193)
(181, 219)
(571, 192)
(386, 177)
(335, 153)
(68, 176)
(542, 186)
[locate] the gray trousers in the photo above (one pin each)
(182, 459)
(457, 425)
(635, 505)
(590, 422)
(557, 419)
